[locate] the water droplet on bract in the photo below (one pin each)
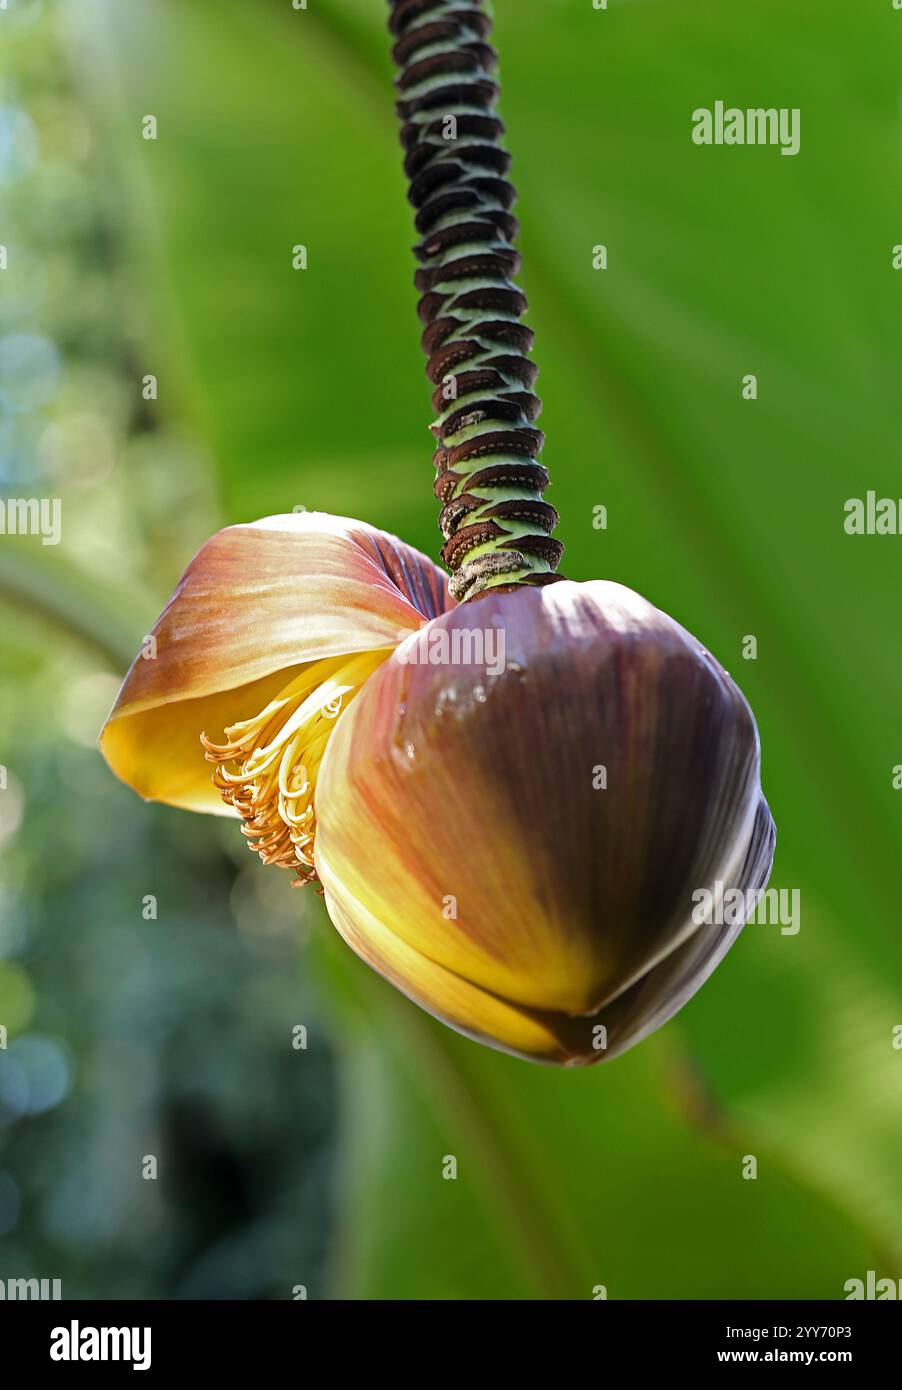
(447, 695)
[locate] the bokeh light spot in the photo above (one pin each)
(29, 371)
(16, 997)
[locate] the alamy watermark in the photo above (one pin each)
(872, 515)
(873, 1288)
(751, 125)
(32, 516)
(82, 1343)
(731, 907)
(26, 1290)
(457, 646)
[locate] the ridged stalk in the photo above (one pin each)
(495, 523)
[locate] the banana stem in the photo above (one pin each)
(496, 526)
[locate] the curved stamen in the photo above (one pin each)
(267, 768)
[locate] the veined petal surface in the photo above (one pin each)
(540, 821)
(258, 601)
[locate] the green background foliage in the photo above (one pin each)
(280, 388)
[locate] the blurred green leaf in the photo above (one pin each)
(63, 595)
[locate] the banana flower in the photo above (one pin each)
(467, 846)
(511, 789)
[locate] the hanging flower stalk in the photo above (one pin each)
(496, 526)
(511, 789)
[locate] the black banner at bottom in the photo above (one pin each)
(232, 1339)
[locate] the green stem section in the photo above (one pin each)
(496, 525)
(71, 601)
